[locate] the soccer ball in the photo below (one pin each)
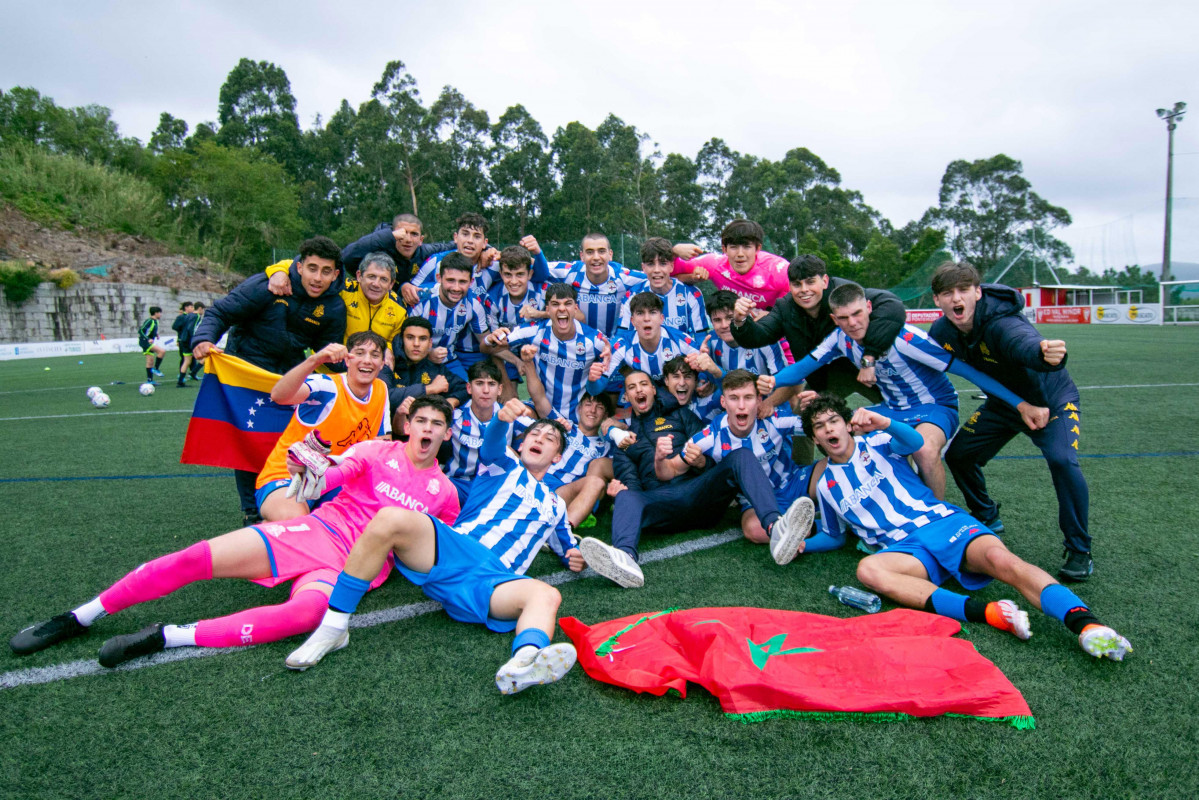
(93, 391)
(146, 389)
(101, 400)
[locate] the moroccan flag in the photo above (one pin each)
(762, 663)
(235, 423)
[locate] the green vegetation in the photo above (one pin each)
(19, 280)
(410, 710)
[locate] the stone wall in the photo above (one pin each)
(89, 311)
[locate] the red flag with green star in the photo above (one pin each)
(762, 663)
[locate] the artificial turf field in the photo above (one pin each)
(410, 708)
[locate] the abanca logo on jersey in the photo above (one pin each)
(387, 490)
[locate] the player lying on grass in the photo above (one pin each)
(476, 569)
(308, 550)
(347, 408)
(661, 486)
(869, 486)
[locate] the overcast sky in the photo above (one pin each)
(887, 93)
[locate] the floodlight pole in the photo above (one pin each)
(1172, 117)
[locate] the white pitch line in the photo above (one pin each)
(1139, 386)
(89, 666)
(98, 413)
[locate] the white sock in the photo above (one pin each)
(338, 620)
(180, 635)
(89, 612)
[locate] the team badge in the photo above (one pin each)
(865, 456)
(580, 348)
(462, 309)
(425, 379)
(610, 286)
(660, 421)
(434, 487)
(763, 435)
(319, 311)
(758, 281)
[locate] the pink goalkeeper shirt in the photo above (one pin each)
(765, 282)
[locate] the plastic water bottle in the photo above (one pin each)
(858, 598)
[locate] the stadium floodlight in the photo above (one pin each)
(1172, 117)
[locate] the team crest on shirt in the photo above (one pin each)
(461, 309)
(610, 286)
(763, 435)
(319, 311)
(865, 456)
(758, 281)
(660, 421)
(580, 348)
(425, 379)
(434, 487)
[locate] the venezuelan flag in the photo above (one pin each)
(235, 423)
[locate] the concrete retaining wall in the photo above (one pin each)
(89, 311)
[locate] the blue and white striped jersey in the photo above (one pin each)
(503, 312)
(766, 360)
(707, 408)
(770, 440)
(629, 350)
(452, 325)
(509, 511)
(466, 437)
(600, 303)
(911, 373)
(426, 274)
(878, 493)
(561, 365)
(682, 307)
(581, 450)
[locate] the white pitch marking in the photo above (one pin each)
(98, 413)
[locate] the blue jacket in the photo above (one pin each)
(410, 379)
(634, 467)
(1006, 346)
(381, 239)
(272, 332)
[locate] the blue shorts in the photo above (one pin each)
(796, 488)
(513, 373)
(464, 575)
(941, 547)
(944, 417)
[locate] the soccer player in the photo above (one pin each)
(911, 378)
(476, 569)
(869, 486)
(655, 490)
(727, 353)
(680, 379)
(370, 305)
(403, 240)
(187, 363)
(470, 420)
(416, 375)
(803, 318)
(147, 340)
(186, 311)
(509, 304)
(568, 353)
(344, 408)
(682, 305)
(581, 477)
(984, 327)
(601, 287)
(470, 241)
(650, 344)
(309, 551)
(458, 319)
(768, 439)
(273, 332)
(744, 268)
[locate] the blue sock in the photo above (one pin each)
(949, 604)
(1057, 601)
(533, 636)
(347, 593)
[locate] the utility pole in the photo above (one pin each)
(1172, 117)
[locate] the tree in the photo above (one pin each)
(577, 160)
(409, 136)
(682, 215)
(520, 167)
(987, 208)
(881, 266)
(257, 109)
(462, 151)
(171, 134)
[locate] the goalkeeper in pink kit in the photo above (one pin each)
(310, 550)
